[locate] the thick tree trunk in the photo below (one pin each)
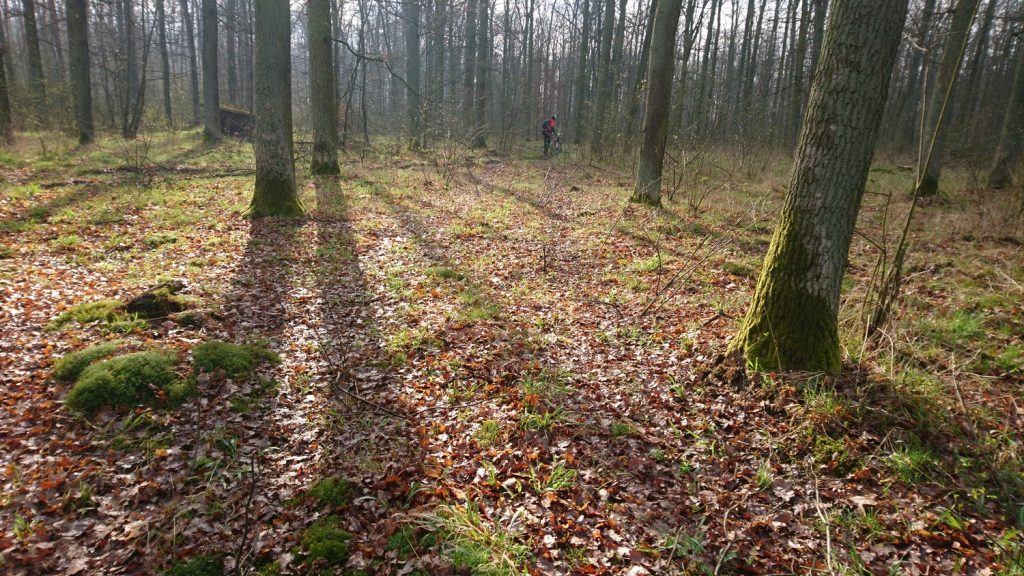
(81, 86)
(193, 64)
(37, 82)
(323, 106)
(132, 83)
(274, 194)
(411, 14)
(1011, 139)
(939, 109)
(659, 96)
(165, 61)
(793, 317)
(211, 87)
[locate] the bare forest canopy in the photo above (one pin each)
(742, 69)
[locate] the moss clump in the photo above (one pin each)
(233, 359)
(69, 367)
(103, 310)
(206, 565)
(159, 239)
(327, 542)
(332, 491)
(127, 380)
(159, 302)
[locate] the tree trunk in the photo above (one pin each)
(37, 82)
(796, 89)
(939, 109)
(411, 14)
(792, 323)
(6, 127)
(165, 61)
(482, 70)
(582, 78)
(1011, 138)
(274, 193)
(132, 85)
(659, 97)
(469, 60)
(211, 88)
(604, 78)
(193, 64)
(231, 30)
(323, 106)
(81, 86)
(640, 85)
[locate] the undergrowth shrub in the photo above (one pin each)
(70, 366)
(234, 359)
(126, 380)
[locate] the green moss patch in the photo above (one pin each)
(333, 491)
(325, 542)
(127, 380)
(71, 365)
(87, 312)
(206, 565)
(232, 359)
(159, 239)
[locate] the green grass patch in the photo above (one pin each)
(739, 269)
(911, 463)
(159, 239)
(127, 380)
(444, 273)
(70, 366)
(408, 540)
(488, 433)
(477, 306)
(478, 545)
(233, 359)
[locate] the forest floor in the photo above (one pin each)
(495, 365)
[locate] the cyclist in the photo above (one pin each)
(548, 130)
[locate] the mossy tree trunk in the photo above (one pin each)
(323, 105)
(939, 109)
(211, 86)
(792, 319)
(1011, 139)
(274, 194)
(659, 98)
(81, 86)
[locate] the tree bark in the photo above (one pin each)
(411, 14)
(659, 96)
(165, 61)
(604, 77)
(939, 109)
(37, 82)
(1011, 138)
(274, 193)
(193, 64)
(482, 69)
(792, 322)
(81, 86)
(323, 106)
(582, 78)
(469, 60)
(211, 87)
(231, 42)
(6, 127)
